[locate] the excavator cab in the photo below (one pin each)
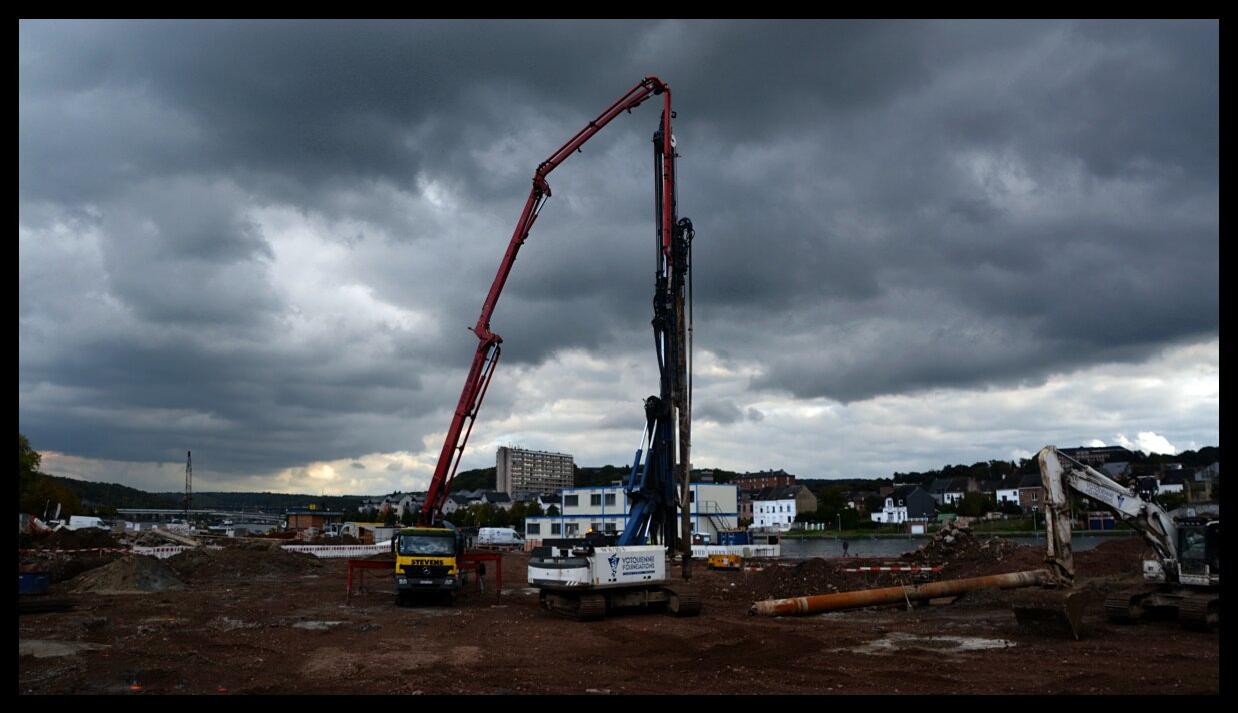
(1199, 551)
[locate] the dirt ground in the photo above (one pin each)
(239, 629)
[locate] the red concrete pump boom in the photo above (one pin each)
(487, 355)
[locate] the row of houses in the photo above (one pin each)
(401, 503)
(914, 502)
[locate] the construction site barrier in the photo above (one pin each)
(166, 551)
(73, 552)
(896, 568)
(332, 551)
(746, 551)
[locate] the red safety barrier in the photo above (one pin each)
(361, 566)
(475, 561)
(469, 561)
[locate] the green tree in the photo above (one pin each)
(44, 494)
(974, 505)
(28, 461)
(389, 518)
(38, 493)
(517, 514)
(1170, 501)
(408, 518)
(552, 510)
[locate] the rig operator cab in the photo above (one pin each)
(426, 563)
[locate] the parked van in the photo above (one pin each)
(499, 536)
(78, 522)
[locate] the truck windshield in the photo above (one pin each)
(427, 545)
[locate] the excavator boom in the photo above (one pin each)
(1188, 588)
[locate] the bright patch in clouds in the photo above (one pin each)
(1148, 442)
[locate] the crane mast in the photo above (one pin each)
(188, 499)
(673, 402)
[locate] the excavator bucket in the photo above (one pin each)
(1049, 611)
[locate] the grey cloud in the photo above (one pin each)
(720, 412)
(881, 208)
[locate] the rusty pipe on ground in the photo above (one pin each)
(892, 595)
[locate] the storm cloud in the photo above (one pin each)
(263, 241)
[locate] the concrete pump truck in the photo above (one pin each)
(586, 577)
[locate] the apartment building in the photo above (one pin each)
(519, 472)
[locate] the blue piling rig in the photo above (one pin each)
(657, 485)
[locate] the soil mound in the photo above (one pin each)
(150, 538)
(242, 562)
(1114, 558)
(813, 576)
(65, 568)
(127, 575)
(962, 554)
(85, 538)
(251, 545)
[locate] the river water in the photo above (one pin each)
(795, 548)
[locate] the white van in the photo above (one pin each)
(499, 536)
(80, 522)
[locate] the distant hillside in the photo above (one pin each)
(122, 496)
(115, 495)
(275, 502)
(479, 479)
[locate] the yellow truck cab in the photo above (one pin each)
(426, 561)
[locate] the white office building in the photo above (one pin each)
(776, 507)
(714, 507)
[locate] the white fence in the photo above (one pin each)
(165, 551)
(325, 551)
(703, 551)
(328, 551)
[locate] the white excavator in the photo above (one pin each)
(1183, 581)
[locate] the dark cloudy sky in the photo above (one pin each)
(917, 243)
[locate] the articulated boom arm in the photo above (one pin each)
(1156, 526)
(488, 348)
